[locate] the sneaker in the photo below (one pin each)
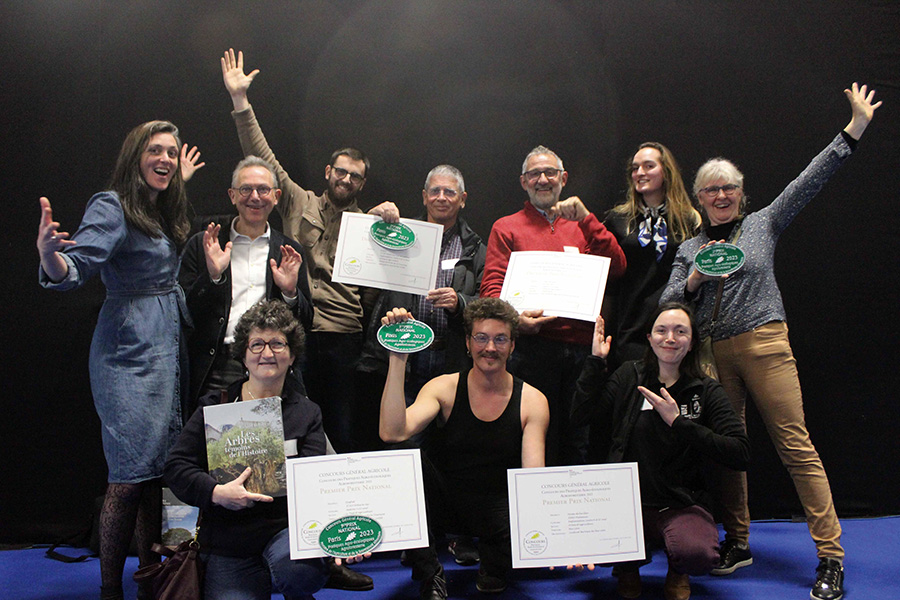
(489, 584)
(732, 556)
(434, 588)
(464, 551)
(829, 580)
(629, 585)
(677, 587)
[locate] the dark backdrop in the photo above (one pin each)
(476, 84)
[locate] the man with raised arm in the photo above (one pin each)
(335, 340)
(551, 351)
(487, 421)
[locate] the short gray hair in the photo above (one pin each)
(449, 171)
(542, 150)
(720, 168)
(253, 161)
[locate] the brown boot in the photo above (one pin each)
(678, 586)
(629, 585)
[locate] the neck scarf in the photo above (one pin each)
(654, 229)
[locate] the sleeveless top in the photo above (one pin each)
(473, 454)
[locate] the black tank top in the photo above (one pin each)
(475, 454)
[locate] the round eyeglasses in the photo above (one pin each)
(247, 190)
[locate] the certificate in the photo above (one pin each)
(575, 515)
(564, 284)
(360, 260)
(385, 486)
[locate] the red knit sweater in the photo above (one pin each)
(528, 229)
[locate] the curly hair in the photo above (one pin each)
(268, 314)
(491, 308)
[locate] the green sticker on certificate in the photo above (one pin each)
(393, 236)
(406, 337)
(350, 536)
(719, 259)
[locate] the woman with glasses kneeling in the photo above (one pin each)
(243, 536)
(671, 420)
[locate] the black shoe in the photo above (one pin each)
(341, 577)
(732, 556)
(829, 580)
(489, 584)
(434, 587)
(464, 551)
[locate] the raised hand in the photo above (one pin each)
(234, 496)
(188, 162)
(236, 82)
(396, 315)
(861, 105)
(217, 259)
(50, 241)
(601, 343)
(664, 404)
(286, 274)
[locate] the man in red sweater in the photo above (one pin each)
(550, 351)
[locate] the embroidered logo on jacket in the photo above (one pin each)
(691, 410)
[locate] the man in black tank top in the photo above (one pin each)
(487, 421)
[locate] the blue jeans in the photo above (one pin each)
(258, 577)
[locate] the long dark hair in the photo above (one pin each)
(690, 366)
(168, 216)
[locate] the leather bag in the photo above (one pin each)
(179, 576)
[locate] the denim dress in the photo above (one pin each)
(135, 365)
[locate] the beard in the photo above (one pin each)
(341, 194)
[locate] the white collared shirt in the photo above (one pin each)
(249, 266)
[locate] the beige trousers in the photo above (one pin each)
(760, 364)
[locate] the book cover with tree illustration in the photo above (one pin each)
(247, 434)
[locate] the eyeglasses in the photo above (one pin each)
(341, 173)
(257, 345)
(448, 192)
(535, 174)
(482, 339)
(247, 190)
(713, 190)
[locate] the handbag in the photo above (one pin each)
(705, 352)
(179, 576)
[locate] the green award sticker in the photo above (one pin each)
(719, 259)
(406, 337)
(350, 536)
(393, 236)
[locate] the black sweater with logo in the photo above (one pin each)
(673, 462)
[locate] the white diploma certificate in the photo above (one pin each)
(359, 260)
(564, 284)
(575, 515)
(385, 486)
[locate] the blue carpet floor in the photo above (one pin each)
(784, 568)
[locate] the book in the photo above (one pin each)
(247, 434)
(179, 520)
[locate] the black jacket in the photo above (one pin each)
(239, 532)
(707, 429)
(466, 281)
(210, 303)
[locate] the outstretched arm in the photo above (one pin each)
(236, 82)
(863, 109)
(396, 422)
(50, 241)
